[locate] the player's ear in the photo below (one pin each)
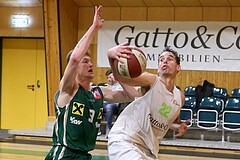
(178, 68)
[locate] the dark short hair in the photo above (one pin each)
(108, 72)
(175, 53)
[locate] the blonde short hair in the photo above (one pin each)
(70, 53)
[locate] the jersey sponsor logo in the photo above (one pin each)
(78, 108)
(165, 110)
(75, 121)
(156, 124)
(96, 94)
(175, 102)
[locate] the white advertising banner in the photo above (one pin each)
(212, 46)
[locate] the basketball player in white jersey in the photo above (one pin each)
(139, 129)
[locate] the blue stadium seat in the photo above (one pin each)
(208, 112)
(190, 103)
(188, 110)
(190, 91)
(235, 93)
(232, 104)
(186, 114)
(220, 93)
(211, 103)
(231, 114)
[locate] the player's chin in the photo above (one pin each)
(91, 75)
(163, 71)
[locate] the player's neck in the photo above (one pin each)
(85, 84)
(169, 82)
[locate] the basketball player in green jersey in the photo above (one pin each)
(78, 105)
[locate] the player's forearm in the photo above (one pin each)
(174, 126)
(131, 91)
(83, 44)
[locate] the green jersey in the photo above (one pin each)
(78, 122)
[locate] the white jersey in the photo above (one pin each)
(147, 119)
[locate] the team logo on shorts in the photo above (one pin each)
(78, 108)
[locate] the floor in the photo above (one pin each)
(18, 151)
(174, 142)
(33, 144)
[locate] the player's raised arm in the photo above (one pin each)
(80, 50)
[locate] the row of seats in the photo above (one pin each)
(213, 111)
(217, 92)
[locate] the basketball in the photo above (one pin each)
(134, 66)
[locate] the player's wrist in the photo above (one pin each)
(175, 126)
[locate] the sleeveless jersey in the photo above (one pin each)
(78, 122)
(147, 119)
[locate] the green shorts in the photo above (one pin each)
(64, 153)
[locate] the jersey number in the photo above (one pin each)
(91, 113)
(165, 110)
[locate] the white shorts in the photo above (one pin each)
(123, 150)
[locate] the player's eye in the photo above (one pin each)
(161, 59)
(86, 61)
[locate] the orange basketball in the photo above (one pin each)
(134, 66)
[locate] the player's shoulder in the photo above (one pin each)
(149, 77)
(182, 97)
(105, 89)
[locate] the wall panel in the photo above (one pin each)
(235, 14)
(115, 13)
(52, 51)
(36, 22)
(188, 14)
(68, 12)
(36, 25)
(133, 13)
(5, 25)
(216, 14)
(160, 14)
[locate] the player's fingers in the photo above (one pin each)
(124, 44)
(124, 55)
(100, 9)
(125, 51)
(187, 121)
(132, 47)
(120, 57)
(178, 135)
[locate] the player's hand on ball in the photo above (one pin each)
(134, 65)
(121, 50)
